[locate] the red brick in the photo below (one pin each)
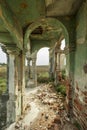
(78, 104)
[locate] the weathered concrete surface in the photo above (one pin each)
(80, 74)
(25, 24)
(11, 23)
(62, 8)
(48, 113)
(33, 110)
(3, 110)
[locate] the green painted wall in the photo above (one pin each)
(81, 46)
(27, 11)
(70, 24)
(80, 77)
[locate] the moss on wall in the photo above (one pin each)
(80, 75)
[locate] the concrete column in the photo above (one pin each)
(7, 73)
(34, 71)
(55, 71)
(58, 62)
(50, 68)
(11, 104)
(51, 63)
(29, 69)
(23, 103)
(16, 87)
(57, 67)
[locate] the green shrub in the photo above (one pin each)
(61, 88)
(2, 85)
(3, 78)
(43, 79)
(63, 74)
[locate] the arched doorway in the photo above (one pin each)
(42, 64)
(43, 56)
(50, 32)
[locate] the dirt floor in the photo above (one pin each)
(45, 111)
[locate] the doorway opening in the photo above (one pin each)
(43, 65)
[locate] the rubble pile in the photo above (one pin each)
(51, 116)
(51, 104)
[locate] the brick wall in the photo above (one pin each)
(80, 74)
(80, 106)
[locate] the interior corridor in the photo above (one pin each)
(45, 111)
(26, 26)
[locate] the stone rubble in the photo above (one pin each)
(52, 115)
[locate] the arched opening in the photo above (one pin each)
(57, 61)
(51, 33)
(45, 32)
(3, 71)
(43, 56)
(62, 55)
(63, 44)
(42, 64)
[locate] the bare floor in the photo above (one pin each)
(45, 111)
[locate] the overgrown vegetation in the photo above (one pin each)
(43, 77)
(3, 79)
(63, 72)
(61, 88)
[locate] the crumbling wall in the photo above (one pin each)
(3, 110)
(80, 74)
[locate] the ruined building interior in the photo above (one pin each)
(28, 25)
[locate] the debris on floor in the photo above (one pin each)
(45, 111)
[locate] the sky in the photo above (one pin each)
(3, 58)
(62, 44)
(42, 55)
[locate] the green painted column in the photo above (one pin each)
(57, 67)
(70, 68)
(55, 71)
(33, 57)
(29, 69)
(11, 104)
(34, 71)
(16, 87)
(23, 103)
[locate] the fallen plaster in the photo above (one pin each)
(33, 113)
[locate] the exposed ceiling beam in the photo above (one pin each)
(6, 38)
(11, 23)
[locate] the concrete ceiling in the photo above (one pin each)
(62, 7)
(17, 15)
